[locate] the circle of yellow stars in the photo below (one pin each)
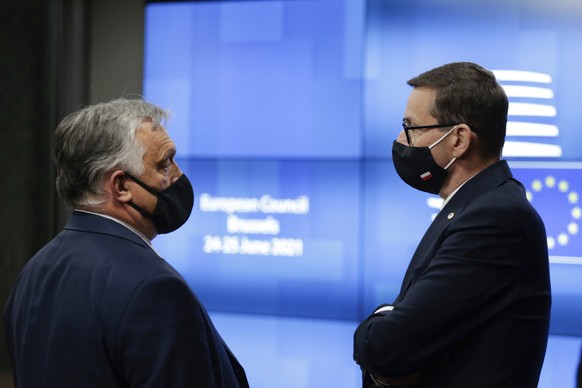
(563, 237)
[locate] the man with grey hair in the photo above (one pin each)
(97, 306)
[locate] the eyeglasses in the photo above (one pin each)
(413, 127)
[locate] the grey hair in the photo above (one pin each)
(98, 139)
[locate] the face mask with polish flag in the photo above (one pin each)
(417, 167)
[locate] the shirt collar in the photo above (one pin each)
(455, 192)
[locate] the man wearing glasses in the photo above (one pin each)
(474, 306)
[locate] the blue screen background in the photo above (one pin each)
(302, 99)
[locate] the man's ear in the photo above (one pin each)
(120, 191)
(465, 140)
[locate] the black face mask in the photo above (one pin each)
(417, 167)
(174, 204)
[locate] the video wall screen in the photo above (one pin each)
(284, 113)
(554, 190)
(532, 47)
(271, 237)
(259, 78)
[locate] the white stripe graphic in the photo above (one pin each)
(523, 76)
(566, 260)
(528, 91)
(520, 128)
(524, 149)
(528, 109)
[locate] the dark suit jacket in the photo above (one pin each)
(474, 306)
(97, 307)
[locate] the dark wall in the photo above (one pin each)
(116, 49)
(55, 56)
(27, 110)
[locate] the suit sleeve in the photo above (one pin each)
(165, 339)
(474, 275)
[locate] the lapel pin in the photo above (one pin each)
(451, 215)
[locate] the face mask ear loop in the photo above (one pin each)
(451, 162)
(139, 210)
(430, 147)
(139, 182)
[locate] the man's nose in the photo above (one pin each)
(402, 138)
(176, 172)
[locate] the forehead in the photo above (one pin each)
(419, 103)
(156, 140)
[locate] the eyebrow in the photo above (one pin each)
(170, 154)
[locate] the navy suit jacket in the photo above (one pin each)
(474, 306)
(97, 307)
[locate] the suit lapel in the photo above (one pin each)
(491, 177)
(422, 254)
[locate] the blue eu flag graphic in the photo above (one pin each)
(555, 193)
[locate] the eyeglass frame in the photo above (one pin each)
(413, 127)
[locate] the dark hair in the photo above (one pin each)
(468, 93)
(97, 139)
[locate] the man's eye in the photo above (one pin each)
(165, 168)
